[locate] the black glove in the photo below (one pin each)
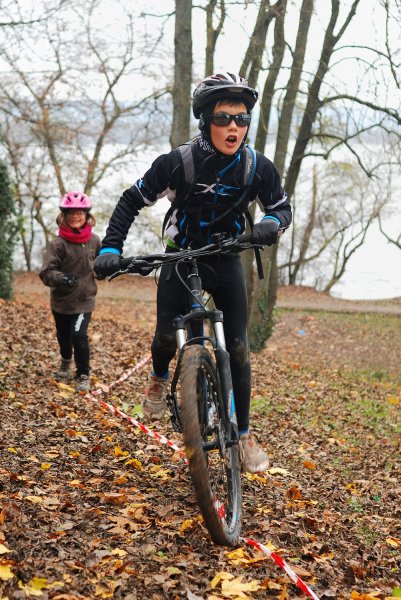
(69, 280)
(265, 232)
(107, 264)
(144, 269)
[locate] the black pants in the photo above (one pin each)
(223, 278)
(72, 334)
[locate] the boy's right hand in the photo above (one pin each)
(107, 264)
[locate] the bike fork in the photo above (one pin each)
(224, 372)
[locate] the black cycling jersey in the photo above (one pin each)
(214, 202)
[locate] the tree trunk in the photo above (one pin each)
(212, 33)
(284, 125)
(307, 235)
(252, 62)
(182, 73)
(263, 297)
(313, 102)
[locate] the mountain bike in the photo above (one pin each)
(201, 402)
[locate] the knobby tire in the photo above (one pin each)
(215, 474)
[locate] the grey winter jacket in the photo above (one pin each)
(64, 257)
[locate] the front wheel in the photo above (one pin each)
(213, 461)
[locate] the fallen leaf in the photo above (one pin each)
(34, 587)
(220, 576)
(34, 499)
(64, 386)
(120, 480)
(118, 552)
(357, 596)
(294, 493)
(114, 498)
(5, 572)
(393, 542)
(134, 462)
(278, 471)
(235, 587)
(187, 524)
(118, 451)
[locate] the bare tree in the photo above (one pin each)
(262, 294)
(312, 122)
(323, 240)
(72, 116)
(393, 240)
(212, 33)
(313, 103)
(16, 15)
(182, 72)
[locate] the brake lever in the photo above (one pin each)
(117, 274)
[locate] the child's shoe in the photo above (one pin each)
(253, 458)
(64, 370)
(83, 384)
(154, 404)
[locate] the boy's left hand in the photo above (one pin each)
(265, 232)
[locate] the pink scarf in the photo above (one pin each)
(76, 237)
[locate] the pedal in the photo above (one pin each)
(171, 400)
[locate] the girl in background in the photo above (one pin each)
(68, 270)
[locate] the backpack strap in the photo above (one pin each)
(187, 158)
(249, 165)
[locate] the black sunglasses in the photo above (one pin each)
(222, 119)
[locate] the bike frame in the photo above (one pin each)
(199, 312)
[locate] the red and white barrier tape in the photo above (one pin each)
(123, 377)
(279, 560)
(157, 436)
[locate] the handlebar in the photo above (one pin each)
(147, 263)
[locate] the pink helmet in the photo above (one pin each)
(75, 200)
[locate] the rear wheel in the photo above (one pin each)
(213, 464)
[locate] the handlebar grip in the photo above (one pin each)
(245, 237)
(125, 262)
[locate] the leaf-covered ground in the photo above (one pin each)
(90, 507)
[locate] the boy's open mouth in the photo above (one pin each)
(231, 138)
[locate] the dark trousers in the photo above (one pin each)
(72, 335)
(223, 278)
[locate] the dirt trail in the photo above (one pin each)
(143, 289)
(308, 298)
(92, 508)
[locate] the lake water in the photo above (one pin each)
(374, 272)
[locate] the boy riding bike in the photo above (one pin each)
(214, 199)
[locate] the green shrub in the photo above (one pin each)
(9, 230)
